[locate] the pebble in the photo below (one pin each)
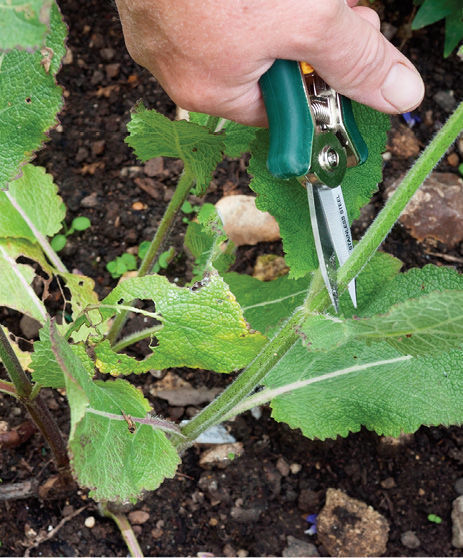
(154, 167)
(295, 468)
(90, 522)
(446, 100)
(138, 517)
(457, 522)
(29, 327)
(242, 515)
(112, 70)
(410, 540)
(349, 527)
(220, 456)
(297, 547)
(81, 155)
(138, 206)
(459, 485)
(453, 160)
(107, 54)
(282, 467)
(244, 223)
(98, 147)
(388, 483)
(89, 201)
(435, 212)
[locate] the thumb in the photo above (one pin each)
(356, 59)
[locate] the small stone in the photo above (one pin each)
(29, 327)
(81, 155)
(410, 540)
(349, 527)
(282, 467)
(220, 456)
(453, 160)
(157, 533)
(112, 70)
(457, 522)
(459, 485)
(138, 517)
(98, 147)
(297, 547)
(213, 521)
(89, 201)
(138, 206)
(228, 550)
(242, 553)
(150, 186)
(435, 212)
(154, 167)
(89, 522)
(107, 54)
(446, 100)
(295, 468)
(244, 223)
(242, 515)
(97, 77)
(388, 483)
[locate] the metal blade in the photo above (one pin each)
(332, 235)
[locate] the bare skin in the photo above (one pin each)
(209, 54)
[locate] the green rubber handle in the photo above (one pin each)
(290, 121)
(352, 130)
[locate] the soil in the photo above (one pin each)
(191, 514)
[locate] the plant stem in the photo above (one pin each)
(273, 351)
(184, 186)
(8, 387)
(36, 407)
(126, 530)
(135, 337)
(317, 298)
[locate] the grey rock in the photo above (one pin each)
(89, 201)
(298, 547)
(446, 100)
(220, 456)
(29, 327)
(457, 522)
(107, 54)
(282, 466)
(349, 527)
(250, 515)
(112, 70)
(410, 540)
(459, 485)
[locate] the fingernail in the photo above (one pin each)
(403, 88)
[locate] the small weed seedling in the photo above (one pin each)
(58, 242)
(391, 365)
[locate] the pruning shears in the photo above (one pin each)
(314, 138)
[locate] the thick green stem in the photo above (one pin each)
(317, 299)
(184, 186)
(36, 407)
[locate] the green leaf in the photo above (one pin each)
(431, 11)
(118, 364)
(428, 325)
(287, 201)
(81, 223)
(114, 463)
(359, 385)
(29, 99)
(154, 135)
(203, 327)
(58, 242)
(453, 32)
(31, 206)
(267, 304)
(23, 24)
(16, 291)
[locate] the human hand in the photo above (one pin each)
(209, 55)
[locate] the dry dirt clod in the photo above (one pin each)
(349, 527)
(220, 456)
(298, 547)
(457, 522)
(404, 143)
(435, 212)
(410, 540)
(244, 223)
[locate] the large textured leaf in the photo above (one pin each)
(31, 206)
(203, 326)
(286, 200)
(29, 99)
(430, 324)
(16, 291)
(359, 385)
(23, 24)
(154, 135)
(108, 458)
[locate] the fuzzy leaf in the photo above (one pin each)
(431, 11)
(31, 205)
(359, 385)
(114, 463)
(202, 327)
(287, 201)
(154, 135)
(23, 24)
(29, 100)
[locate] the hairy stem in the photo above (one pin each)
(36, 407)
(184, 186)
(317, 299)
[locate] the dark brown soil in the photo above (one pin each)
(191, 513)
